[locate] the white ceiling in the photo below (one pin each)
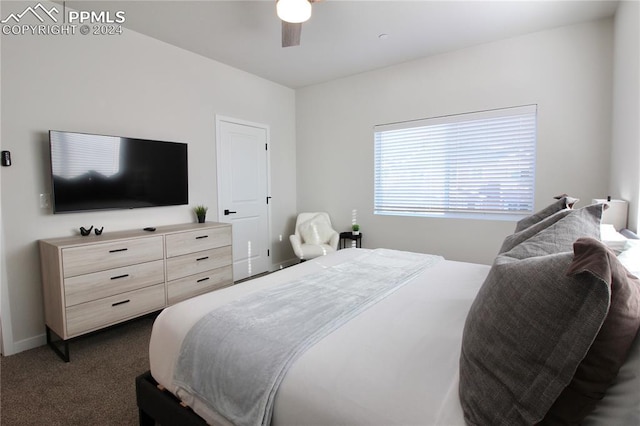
(342, 37)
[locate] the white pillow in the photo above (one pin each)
(612, 238)
(316, 230)
(630, 257)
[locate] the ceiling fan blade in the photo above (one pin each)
(291, 34)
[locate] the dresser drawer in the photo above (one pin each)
(194, 285)
(103, 256)
(192, 241)
(194, 263)
(83, 288)
(110, 310)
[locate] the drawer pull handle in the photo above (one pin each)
(120, 276)
(117, 250)
(202, 258)
(201, 237)
(121, 303)
(202, 279)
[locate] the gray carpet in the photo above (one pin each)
(96, 388)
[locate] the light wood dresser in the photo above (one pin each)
(96, 281)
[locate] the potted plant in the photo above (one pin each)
(201, 213)
(355, 229)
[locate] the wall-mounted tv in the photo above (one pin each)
(98, 172)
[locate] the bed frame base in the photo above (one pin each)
(158, 405)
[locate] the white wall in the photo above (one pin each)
(625, 154)
(137, 86)
(128, 85)
(566, 71)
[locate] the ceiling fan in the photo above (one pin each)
(293, 13)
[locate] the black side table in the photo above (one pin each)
(344, 236)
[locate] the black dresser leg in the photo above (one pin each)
(65, 344)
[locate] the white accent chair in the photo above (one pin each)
(313, 236)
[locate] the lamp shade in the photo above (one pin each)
(294, 11)
(615, 214)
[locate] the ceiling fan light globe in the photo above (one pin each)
(294, 11)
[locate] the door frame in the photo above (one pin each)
(7, 346)
(220, 118)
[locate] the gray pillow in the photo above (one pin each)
(526, 332)
(608, 352)
(564, 202)
(520, 236)
(555, 233)
(530, 328)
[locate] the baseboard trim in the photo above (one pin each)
(285, 264)
(26, 344)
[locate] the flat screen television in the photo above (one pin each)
(98, 172)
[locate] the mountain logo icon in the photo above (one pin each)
(38, 11)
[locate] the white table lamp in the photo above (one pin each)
(616, 214)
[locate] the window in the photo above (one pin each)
(479, 165)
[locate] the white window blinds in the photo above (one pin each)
(480, 164)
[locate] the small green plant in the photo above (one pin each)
(200, 210)
(355, 227)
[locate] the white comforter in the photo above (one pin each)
(396, 363)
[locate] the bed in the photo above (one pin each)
(397, 361)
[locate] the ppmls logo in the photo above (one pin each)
(33, 11)
(102, 22)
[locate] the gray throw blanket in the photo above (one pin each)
(236, 356)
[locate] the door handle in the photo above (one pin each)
(227, 212)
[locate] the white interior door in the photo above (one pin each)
(243, 192)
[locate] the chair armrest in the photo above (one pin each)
(296, 244)
(335, 238)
